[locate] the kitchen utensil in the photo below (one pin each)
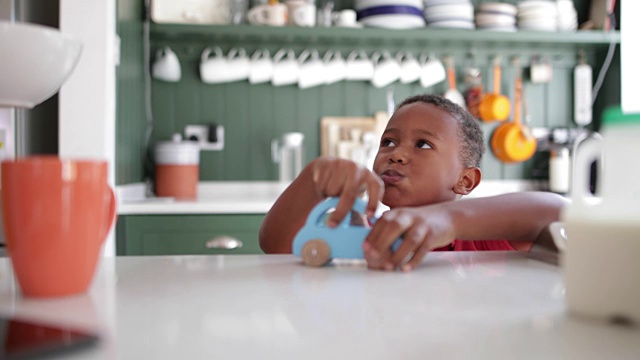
(57, 213)
(452, 93)
(177, 168)
(513, 141)
(301, 13)
(359, 66)
(473, 82)
(288, 153)
(582, 91)
(410, 66)
(166, 66)
(495, 106)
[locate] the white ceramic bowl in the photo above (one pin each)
(35, 61)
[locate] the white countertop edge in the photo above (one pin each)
(255, 197)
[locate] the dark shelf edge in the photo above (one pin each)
(424, 35)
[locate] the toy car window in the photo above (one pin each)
(357, 219)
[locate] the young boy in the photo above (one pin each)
(429, 157)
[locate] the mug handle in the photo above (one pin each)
(559, 235)
(112, 215)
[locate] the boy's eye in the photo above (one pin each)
(423, 145)
(387, 142)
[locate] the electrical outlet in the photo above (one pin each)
(200, 134)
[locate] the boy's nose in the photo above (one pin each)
(399, 156)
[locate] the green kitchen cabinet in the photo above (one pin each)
(190, 234)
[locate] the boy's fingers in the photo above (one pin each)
(344, 206)
(412, 242)
(375, 189)
(416, 259)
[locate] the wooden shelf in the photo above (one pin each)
(383, 37)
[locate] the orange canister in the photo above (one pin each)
(177, 168)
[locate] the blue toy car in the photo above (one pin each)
(317, 243)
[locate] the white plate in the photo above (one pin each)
(499, 28)
(454, 24)
(443, 12)
(394, 21)
(487, 19)
(498, 8)
(191, 11)
(364, 4)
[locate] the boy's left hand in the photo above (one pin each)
(422, 229)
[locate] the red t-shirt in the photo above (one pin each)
(478, 245)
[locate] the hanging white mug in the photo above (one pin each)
(213, 70)
(335, 67)
(312, 70)
(359, 67)
(410, 66)
(166, 66)
(238, 65)
(261, 69)
(433, 71)
(387, 69)
(286, 70)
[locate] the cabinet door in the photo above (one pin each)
(188, 234)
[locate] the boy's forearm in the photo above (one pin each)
(516, 216)
(288, 214)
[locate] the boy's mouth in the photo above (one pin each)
(391, 176)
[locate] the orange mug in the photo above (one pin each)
(57, 214)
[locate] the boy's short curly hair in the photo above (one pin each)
(471, 134)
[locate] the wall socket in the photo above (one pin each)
(208, 137)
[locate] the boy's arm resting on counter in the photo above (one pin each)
(519, 216)
(516, 217)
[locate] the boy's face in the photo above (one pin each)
(419, 156)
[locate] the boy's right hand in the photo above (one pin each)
(347, 180)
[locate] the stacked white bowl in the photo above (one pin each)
(449, 13)
(567, 16)
(538, 15)
(390, 14)
(496, 16)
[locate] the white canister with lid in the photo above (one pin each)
(177, 168)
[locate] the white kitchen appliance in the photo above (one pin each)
(288, 153)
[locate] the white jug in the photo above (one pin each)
(602, 245)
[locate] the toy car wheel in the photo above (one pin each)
(316, 252)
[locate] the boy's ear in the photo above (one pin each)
(469, 179)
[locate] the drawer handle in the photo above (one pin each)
(223, 242)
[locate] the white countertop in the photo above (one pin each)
(250, 197)
(458, 305)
